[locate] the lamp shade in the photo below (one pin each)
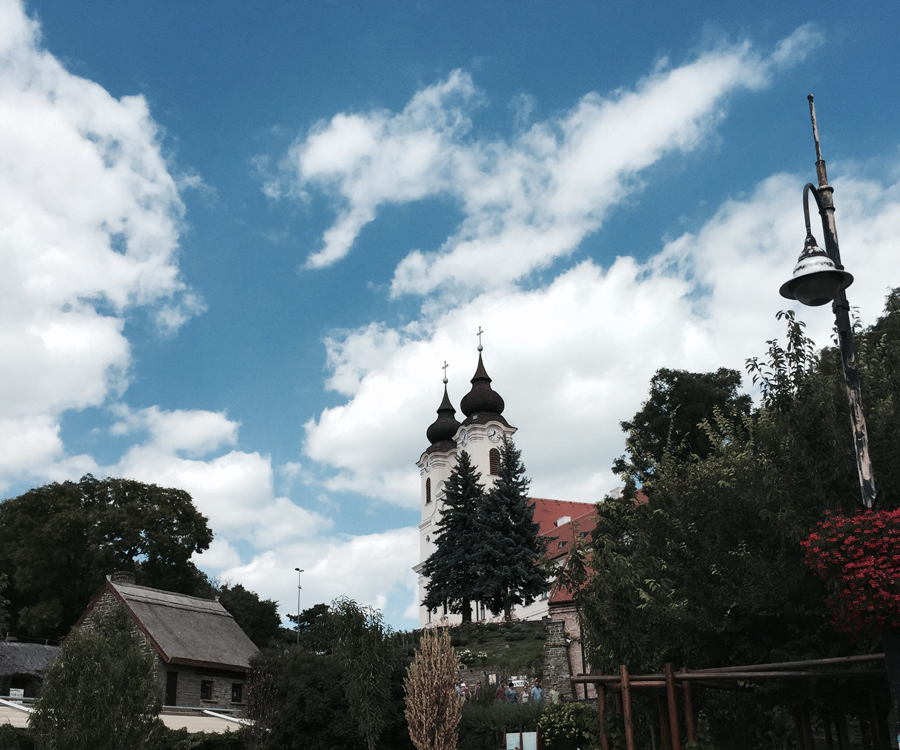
(816, 280)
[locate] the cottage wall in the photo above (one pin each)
(189, 679)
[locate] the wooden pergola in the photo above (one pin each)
(721, 678)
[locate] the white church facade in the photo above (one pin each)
(480, 434)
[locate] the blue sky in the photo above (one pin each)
(239, 240)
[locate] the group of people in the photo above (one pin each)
(508, 693)
(464, 694)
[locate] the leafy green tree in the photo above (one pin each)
(362, 645)
(341, 687)
(708, 571)
(671, 418)
(257, 617)
(101, 692)
(448, 569)
(59, 541)
(508, 550)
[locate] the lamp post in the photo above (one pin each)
(819, 278)
(298, 603)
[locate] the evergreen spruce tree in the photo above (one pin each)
(450, 567)
(508, 548)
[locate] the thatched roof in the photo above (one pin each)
(184, 629)
(25, 658)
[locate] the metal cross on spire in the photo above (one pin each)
(480, 347)
(445, 371)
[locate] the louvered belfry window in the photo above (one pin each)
(427, 490)
(494, 456)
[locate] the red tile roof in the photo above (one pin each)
(560, 538)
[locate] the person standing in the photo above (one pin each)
(510, 693)
(554, 695)
(536, 692)
(501, 692)
(478, 690)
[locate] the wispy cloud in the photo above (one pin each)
(524, 201)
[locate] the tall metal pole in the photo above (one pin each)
(841, 308)
(298, 603)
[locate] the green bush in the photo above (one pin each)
(15, 738)
(164, 738)
(484, 724)
(567, 726)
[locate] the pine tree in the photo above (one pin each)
(449, 569)
(508, 548)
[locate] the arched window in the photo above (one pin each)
(494, 457)
(427, 490)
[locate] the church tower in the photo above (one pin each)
(480, 435)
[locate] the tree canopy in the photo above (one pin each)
(340, 687)
(671, 418)
(508, 549)
(257, 617)
(451, 568)
(59, 541)
(709, 571)
(101, 692)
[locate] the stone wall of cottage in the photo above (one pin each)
(190, 679)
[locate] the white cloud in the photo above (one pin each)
(89, 228)
(373, 569)
(575, 358)
(533, 199)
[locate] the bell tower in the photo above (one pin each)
(480, 435)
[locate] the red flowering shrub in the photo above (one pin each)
(859, 558)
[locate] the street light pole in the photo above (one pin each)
(298, 603)
(818, 278)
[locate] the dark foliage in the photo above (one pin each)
(257, 617)
(341, 687)
(507, 546)
(709, 570)
(59, 541)
(101, 691)
(451, 578)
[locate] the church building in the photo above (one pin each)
(480, 434)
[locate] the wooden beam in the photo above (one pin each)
(674, 729)
(626, 708)
(688, 710)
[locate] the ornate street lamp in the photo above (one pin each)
(819, 278)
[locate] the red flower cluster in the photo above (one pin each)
(859, 557)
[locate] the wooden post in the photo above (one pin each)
(807, 730)
(665, 739)
(674, 729)
(688, 708)
(601, 706)
(826, 723)
(626, 708)
(842, 732)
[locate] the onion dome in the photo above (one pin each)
(482, 399)
(440, 433)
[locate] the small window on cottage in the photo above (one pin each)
(427, 490)
(206, 690)
(494, 456)
(561, 545)
(237, 692)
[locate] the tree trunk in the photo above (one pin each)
(466, 611)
